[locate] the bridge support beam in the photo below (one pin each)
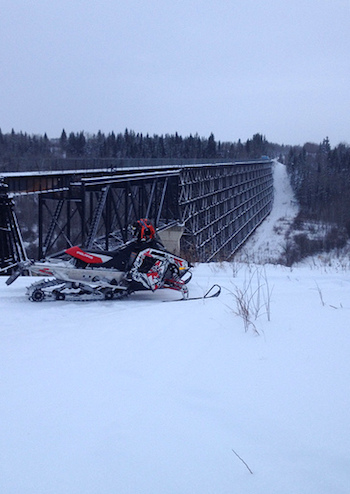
(222, 204)
(12, 248)
(96, 212)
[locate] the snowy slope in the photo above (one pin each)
(141, 396)
(268, 242)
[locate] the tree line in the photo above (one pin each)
(129, 144)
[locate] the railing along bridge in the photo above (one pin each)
(212, 207)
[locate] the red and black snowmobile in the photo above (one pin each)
(142, 264)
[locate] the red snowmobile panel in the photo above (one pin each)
(87, 257)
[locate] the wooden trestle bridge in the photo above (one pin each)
(211, 207)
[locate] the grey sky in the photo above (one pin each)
(234, 68)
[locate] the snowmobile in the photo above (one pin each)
(85, 274)
(141, 264)
(98, 275)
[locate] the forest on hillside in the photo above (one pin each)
(320, 177)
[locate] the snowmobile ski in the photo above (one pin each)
(213, 292)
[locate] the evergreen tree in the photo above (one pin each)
(63, 143)
(210, 151)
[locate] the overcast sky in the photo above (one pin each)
(231, 67)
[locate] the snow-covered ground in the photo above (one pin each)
(139, 396)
